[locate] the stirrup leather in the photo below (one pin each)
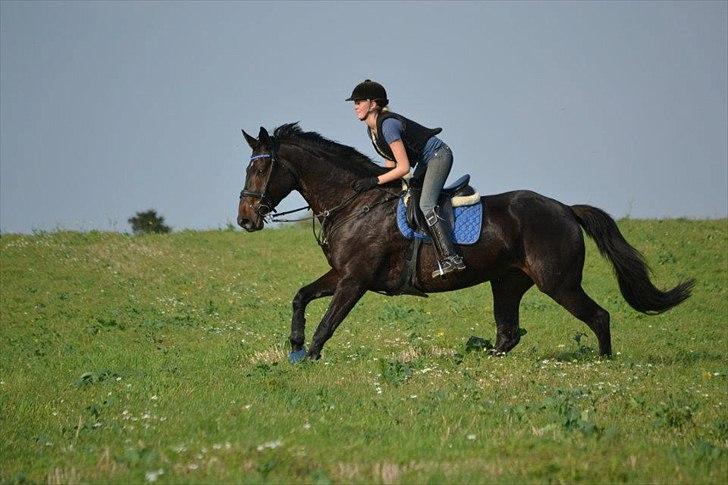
(448, 260)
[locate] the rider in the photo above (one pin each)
(404, 143)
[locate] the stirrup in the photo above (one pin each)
(457, 260)
(448, 265)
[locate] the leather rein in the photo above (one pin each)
(266, 206)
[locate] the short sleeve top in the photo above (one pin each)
(392, 130)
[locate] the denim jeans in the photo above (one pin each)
(435, 173)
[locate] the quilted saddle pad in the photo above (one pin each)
(468, 220)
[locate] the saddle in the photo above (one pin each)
(412, 224)
(457, 194)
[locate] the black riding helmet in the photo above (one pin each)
(370, 90)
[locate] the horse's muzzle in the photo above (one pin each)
(251, 225)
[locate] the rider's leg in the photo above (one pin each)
(439, 230)
(436, 171)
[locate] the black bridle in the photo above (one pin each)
(266, 205)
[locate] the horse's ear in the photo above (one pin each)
(264, 137)
(251, 141)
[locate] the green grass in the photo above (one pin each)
(125, 356)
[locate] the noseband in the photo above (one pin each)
(266, 205)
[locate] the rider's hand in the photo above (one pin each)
(362, 185)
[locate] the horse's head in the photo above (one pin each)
(268, 180)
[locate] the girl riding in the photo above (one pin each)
(404, 143)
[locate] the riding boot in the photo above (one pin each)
(440, 233)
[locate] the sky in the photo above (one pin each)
(107, 109)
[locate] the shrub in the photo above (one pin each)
(148, 222)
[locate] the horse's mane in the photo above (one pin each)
(342, 156)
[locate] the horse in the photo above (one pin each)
(526, 239)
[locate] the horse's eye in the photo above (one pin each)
(260, 171)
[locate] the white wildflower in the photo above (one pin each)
(270, 445)
(151, 476)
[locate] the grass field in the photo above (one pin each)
(163, 358)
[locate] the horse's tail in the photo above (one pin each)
(629, 264)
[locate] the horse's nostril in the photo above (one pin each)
(242, 221)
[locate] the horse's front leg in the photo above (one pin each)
(347, 294)
(324, 286)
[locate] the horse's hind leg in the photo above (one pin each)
(507, 293)
(585, 309)
(554, 248)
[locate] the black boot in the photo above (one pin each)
(440, 233)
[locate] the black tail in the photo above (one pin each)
(629, 264)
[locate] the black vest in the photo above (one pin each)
(414, 137)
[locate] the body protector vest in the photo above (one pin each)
(414, 137)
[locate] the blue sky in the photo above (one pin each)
(107, 109)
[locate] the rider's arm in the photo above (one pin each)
(401, 167)
(389, 163)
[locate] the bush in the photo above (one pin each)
(148, 222)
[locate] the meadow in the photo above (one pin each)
(163, 358)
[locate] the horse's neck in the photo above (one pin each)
(321, 182)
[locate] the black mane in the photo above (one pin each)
(343, 156)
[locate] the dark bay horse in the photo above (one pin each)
(525, 239)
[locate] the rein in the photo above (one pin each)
(266, 207)
(322, 236)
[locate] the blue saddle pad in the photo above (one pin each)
(468, 220)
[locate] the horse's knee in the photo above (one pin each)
(299, 301)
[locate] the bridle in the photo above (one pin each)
(266, 205)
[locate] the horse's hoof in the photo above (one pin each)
(296, 356)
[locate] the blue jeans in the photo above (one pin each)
(435, 173)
